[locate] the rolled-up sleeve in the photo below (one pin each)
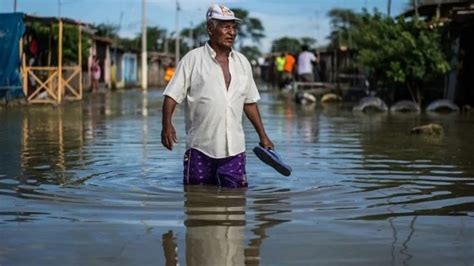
(252, 92)
(252, 95)
(179, 83)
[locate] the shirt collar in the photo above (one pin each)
(213, 53)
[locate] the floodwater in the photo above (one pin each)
(89, 183)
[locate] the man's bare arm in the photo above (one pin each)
(168, 133)
(252, 113)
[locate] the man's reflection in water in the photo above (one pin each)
(215, 227)
(170, 249)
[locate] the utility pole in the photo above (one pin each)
(389, 7)
(191, 37)
(14, 6)
(415, 6)
(176, 50)
(59, 9)
(144, 48)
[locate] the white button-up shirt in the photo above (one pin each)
(213, 111)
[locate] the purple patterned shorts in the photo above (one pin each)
(200, 169)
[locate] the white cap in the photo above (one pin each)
(221, 12)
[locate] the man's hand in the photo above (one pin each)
(168, 137)
(168, 134)
(251, 110)
(266, 143)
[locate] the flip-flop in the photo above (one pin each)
(273, 159)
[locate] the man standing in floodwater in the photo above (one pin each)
(306, 59)
(216, 84)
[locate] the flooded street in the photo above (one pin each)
(89, 183)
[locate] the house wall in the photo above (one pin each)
(465, 92)
(129, 69)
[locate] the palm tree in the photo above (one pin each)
(251, 27)
(343, 22)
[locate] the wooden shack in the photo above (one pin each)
(48, 82)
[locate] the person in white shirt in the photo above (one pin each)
(305, 65)
(216, 84)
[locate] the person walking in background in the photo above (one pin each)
(169, 73)
(288, 69)
(95, 73)
(280, 65)
(305, 65)
(271, 71)
(113, 75)
(217, 86)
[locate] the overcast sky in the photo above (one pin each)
(293, 18)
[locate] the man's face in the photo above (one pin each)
(224, 33)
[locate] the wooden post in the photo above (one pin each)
(50, 48)
(60, 61)
(24, 72)
(50, 40)
(91, 53)
(415, 6)
(25, 77)
(389, 8)
(79, 56)
(20, 48)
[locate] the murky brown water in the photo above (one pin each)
(90, 184)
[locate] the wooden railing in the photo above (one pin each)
(46, 88)
(71, 93)
(52, 84)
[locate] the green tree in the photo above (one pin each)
(108, 30)
(183, 46)
(400, 54)
(48, 43)
(343, 23)
(251, 52)
(198, 36)
(155, 38)
(251, 27)
(286, 44)
(310, 42)
(132, 44)
(70, 45)
(292, 45)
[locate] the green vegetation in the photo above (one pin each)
(400, 53)
(48, 43)
(251, 28)
(343, 23)
(396, 54)
(251, 52)
(70, 44)
(191, 37)
(292, 45)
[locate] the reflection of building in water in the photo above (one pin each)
(216, 224)
(49, 135)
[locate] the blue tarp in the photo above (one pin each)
(11, 30)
